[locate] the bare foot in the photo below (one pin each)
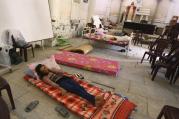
(99, 103)
(99, 100)
(98, 97)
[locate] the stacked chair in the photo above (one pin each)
(156, 50)
(159, 59)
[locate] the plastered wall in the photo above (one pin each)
(110, 8)
(62, 11)
(107, 9)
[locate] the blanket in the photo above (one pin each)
(115, 106)
(109, 39)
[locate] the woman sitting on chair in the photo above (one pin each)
(56, 78)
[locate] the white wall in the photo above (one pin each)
(166, 9)
(148, 4)
(162, 11)
(173, 10)
(63, 11)
(110, 8)
(107, 9)
(114, 10)
(101, 7)
(31, 17)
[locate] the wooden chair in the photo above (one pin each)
(23, 49)
(5, 85)
(169, 112)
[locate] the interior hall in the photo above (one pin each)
(89, 59)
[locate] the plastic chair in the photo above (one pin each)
(137, 38)
(6, 86)
(161, 45)
(4, 111)
(170, 64)
(169, 112)
(22, 48)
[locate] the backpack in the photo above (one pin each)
(14, 57)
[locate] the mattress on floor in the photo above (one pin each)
(87, 62)
(115, 107)
(121, 41)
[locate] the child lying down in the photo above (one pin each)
(56, 78)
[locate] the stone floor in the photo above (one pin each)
(134, 81)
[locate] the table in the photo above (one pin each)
(144, 28)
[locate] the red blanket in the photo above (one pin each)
(115, 107)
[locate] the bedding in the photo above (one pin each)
(115, 106)
(88, 62)
(50, 63)
(122, 41)
(82, 49)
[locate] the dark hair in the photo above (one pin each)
(39, 72)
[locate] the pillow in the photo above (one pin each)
(30, 73)
(50, 63)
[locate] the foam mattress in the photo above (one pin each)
(87, 62)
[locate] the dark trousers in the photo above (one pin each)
(71, 86)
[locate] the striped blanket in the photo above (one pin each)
(115, 107)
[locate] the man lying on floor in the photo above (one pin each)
(55, 78)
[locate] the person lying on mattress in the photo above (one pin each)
(56, 78)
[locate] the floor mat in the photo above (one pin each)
(115, 107)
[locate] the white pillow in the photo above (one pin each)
(50, 63)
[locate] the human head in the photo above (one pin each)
(173, 22)
(41, 70)
(175, 18)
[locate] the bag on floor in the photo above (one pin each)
(14, 57)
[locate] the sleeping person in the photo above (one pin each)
(56, 78)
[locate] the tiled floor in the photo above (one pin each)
(133, 82)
